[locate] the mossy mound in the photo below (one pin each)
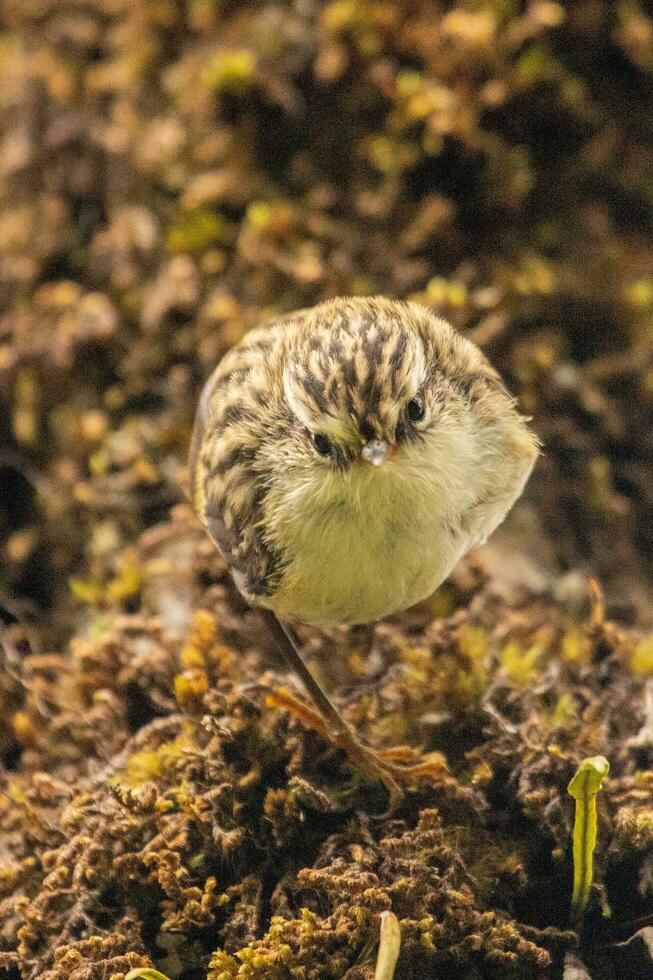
(162, 811)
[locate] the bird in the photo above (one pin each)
(343, 458)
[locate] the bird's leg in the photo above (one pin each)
(373, 764)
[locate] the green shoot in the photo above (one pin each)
(584, 787)
(388, 947)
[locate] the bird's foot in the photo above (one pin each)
(395, 767)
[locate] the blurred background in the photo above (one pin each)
(172, 171)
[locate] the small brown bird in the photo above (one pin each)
(343, 459)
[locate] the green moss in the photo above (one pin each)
(641, 661)
(521, 666)
(640, 294)
(231, 71)
(153, 765)
(195, 232)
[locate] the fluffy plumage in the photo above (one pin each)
(279, 478)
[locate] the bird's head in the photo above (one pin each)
(356, 381)
(370, 379)
(381, 390)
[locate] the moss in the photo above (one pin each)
(574, 644)
(151, 765)
(635, 825)
(187, 171)
(195, 232)
(230, 71)
(521, 666)
(640, 294)
(642, 657)
(219, 791)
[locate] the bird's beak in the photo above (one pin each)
(376, 451)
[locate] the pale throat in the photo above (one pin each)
(364, 544)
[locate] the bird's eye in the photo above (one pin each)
(321, 443)
(415, 410)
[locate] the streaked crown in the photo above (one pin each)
(354, 365)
